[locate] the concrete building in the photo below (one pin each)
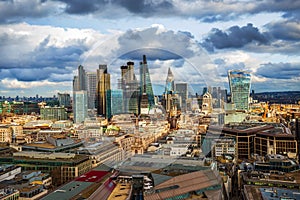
(53, 113)
(63, 167)
(8, 172)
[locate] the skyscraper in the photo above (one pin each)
(169, 82)
(182, 91)
(146, 91)
(129, 85)
(80, 105)
(171, 100)
(239, 82)
(102, 86)
(81, 78)
(91, 83)
(114, 102)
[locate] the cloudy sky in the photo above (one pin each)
(43, 42)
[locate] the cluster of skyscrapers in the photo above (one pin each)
(92, 90)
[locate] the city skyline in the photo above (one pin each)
(46, 41)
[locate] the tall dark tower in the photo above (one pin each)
(102, 87)
(146, 91)
(79, 81)
(81, 78)
(129, 85)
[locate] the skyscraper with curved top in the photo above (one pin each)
(239, 82)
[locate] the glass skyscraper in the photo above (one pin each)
(103, 85)
(239, 82)
(80, 105)
(145, 83)
(114, 102)
(169, 82)
(129, 85)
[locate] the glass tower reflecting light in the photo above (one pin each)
(239, 82)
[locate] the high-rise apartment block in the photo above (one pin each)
(239, 82)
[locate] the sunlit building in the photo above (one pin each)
(53, 113)
(102, 87)
(239, 82)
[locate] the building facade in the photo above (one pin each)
(239, 82)
(80, 106)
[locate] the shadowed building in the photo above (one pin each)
(129, 85)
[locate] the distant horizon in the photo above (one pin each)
(228, 92)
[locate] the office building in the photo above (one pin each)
(207, 103)
(169, 82)
(103, 85)
(182, 91)
(64, 99)
(80, 106)
(146, 90)
(91, 82)
(53, 113)
(239, 82)
(171, 100)
(64, 167)
(129, 85)
(114, 105)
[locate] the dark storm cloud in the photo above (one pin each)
(45, 62)
(207, 11)
(140, 7)
(155, 43)
(234, 37)
(15, 11)
(279, 70)
(46, 55)
(285, 30)
(83, 7)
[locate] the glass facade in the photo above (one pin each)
(114, 99)
(239, 82)
(80, 105)
(145, 82)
